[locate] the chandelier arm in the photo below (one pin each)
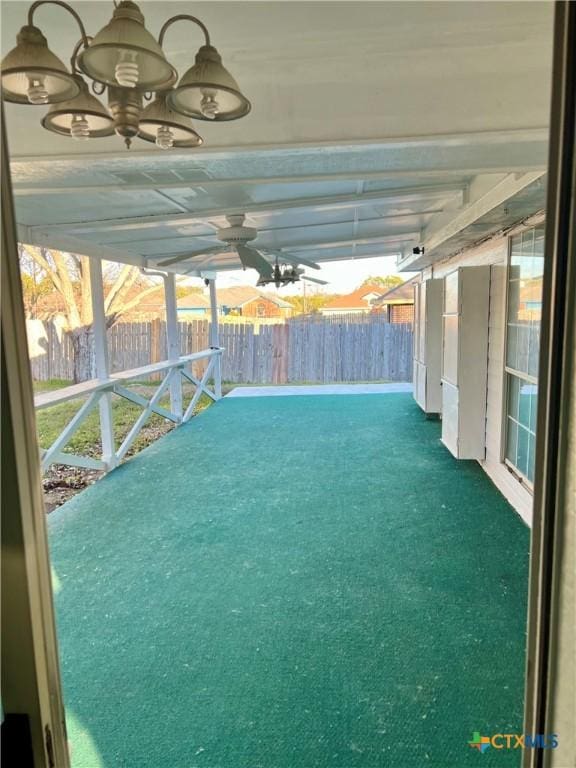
(80, 44)
(38, 3)
(180, 17)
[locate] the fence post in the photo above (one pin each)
(49, 346)
(214, 337)
(101, 360)
(173, 342)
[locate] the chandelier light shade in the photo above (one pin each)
(125, 61)
(124, 53)
(165, 127)
(32, 74)
(83, 117)
(207, 91)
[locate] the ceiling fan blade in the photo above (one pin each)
(212, 225)
(184, 256)
(295, 260)
(252, 259)
(313, 280)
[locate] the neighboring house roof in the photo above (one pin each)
(53, 304)
(277, 300)
(193, 300)
(361, 298)
(49, 305)
(239, 295)
(401, 294)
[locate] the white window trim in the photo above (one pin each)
(506, 370)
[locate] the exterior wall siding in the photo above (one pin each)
(261, 307)
(494, 253)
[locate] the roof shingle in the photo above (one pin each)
(400, 294)
(356, 300)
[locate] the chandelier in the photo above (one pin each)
(126, 61)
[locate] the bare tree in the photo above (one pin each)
(35, 284)
(70, 277)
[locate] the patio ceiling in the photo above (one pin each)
(376, 127)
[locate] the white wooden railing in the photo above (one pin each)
(97, 389)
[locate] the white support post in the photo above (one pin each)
(200, 387)
(102, 364)
(173, 342)
(214, 338)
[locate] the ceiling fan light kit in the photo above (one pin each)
(237, 231)
(287, 274)
(125, 58)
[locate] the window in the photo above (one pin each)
(525, 270)
(261, 310)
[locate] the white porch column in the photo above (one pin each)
(101, 361)
(214, 336)
(173, 341)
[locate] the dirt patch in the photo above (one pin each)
(61, 482)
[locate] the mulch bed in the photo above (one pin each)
(61, 482)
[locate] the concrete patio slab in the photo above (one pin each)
(320, 389)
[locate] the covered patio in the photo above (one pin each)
(259, 588)
(300, 581)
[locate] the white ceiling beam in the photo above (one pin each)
(354, 223)
(452, 191)
(206, 154)
(490, 148)
(480, 187)
(400, 237)
(75, 245)
(404, 237)
(490, 165)
(484, 196)
(63, 242)
(194, 270)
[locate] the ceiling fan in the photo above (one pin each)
(236, 236)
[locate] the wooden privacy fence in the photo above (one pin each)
(300, 350)
(50, 349)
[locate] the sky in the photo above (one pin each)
(342, 276)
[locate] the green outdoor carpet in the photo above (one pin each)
(292, 582)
